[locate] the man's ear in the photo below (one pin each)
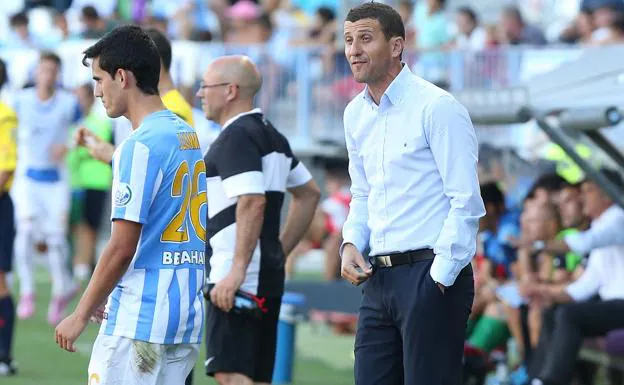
(123, 77)
(398, 45)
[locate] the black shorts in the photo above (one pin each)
(88, 207)
(7, 232)
(242, 344)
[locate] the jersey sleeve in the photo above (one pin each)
(137, 176)
(298, 175)
(239, 164)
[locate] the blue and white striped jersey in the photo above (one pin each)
(159, 181)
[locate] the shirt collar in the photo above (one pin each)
(232, 119)
(395, 91)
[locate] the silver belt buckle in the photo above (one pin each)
(386, 260)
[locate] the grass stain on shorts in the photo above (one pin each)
(146, 356)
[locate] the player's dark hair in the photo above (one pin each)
(19, 19)
(50, 56)
(490, 193)
(129, 48)
(389, 19)
(163, 45)
(3, 74)
(470, 13)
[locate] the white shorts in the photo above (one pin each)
(123, 361)
(46, 203)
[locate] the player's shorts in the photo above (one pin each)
(7, 232)
(47, 203)
(87, 206)
(242, 344)
(119, 360)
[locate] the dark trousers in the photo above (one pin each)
(408, 331)
(563, 331)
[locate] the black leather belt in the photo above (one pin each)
(403, 258)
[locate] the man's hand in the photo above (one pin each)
(58, 152)
(99, 149)
(68, 331)
(354, 269)
(222, 294)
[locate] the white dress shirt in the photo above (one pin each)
(606, 230)
(413, 167)
(605, 268)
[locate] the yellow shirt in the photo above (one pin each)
(8, 145)
(175, 102)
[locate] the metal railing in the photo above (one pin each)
(305, 90)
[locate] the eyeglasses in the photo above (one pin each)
(202, 85)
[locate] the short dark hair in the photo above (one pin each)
(163, 45)
(552, 182)
(89, 12)
(51, 56)
(326, 13)
(265, 21)
(129, 48)
(20, 18)
(4, 78)
(470, 13)
(490, 193)
(389, 19)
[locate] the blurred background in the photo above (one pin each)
(554, 55)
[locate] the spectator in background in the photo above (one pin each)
(432, 34)
(20, 36)
(471, 36)
(579, 316)
(91, 181)
(432, 25)
(95, 26)
(604, 14)
(406, 10)
(322, 31)
(325, 231)
(584, 27)
(616, 31)
(516, 31)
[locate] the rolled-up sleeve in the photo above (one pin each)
(454, 146)
(605, 231)
(355, 229)
(588, 284)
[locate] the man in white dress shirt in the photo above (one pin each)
(415, 202)
(565, 326)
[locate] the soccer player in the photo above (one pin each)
(152, 268)
(171, 98)
(8, 159)
(46, 113)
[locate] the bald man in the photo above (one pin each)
(249, 168)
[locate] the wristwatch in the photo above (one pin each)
(539, 245)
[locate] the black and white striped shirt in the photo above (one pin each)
(249, 157)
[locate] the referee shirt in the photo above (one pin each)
(249, 157)
(8, 146)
